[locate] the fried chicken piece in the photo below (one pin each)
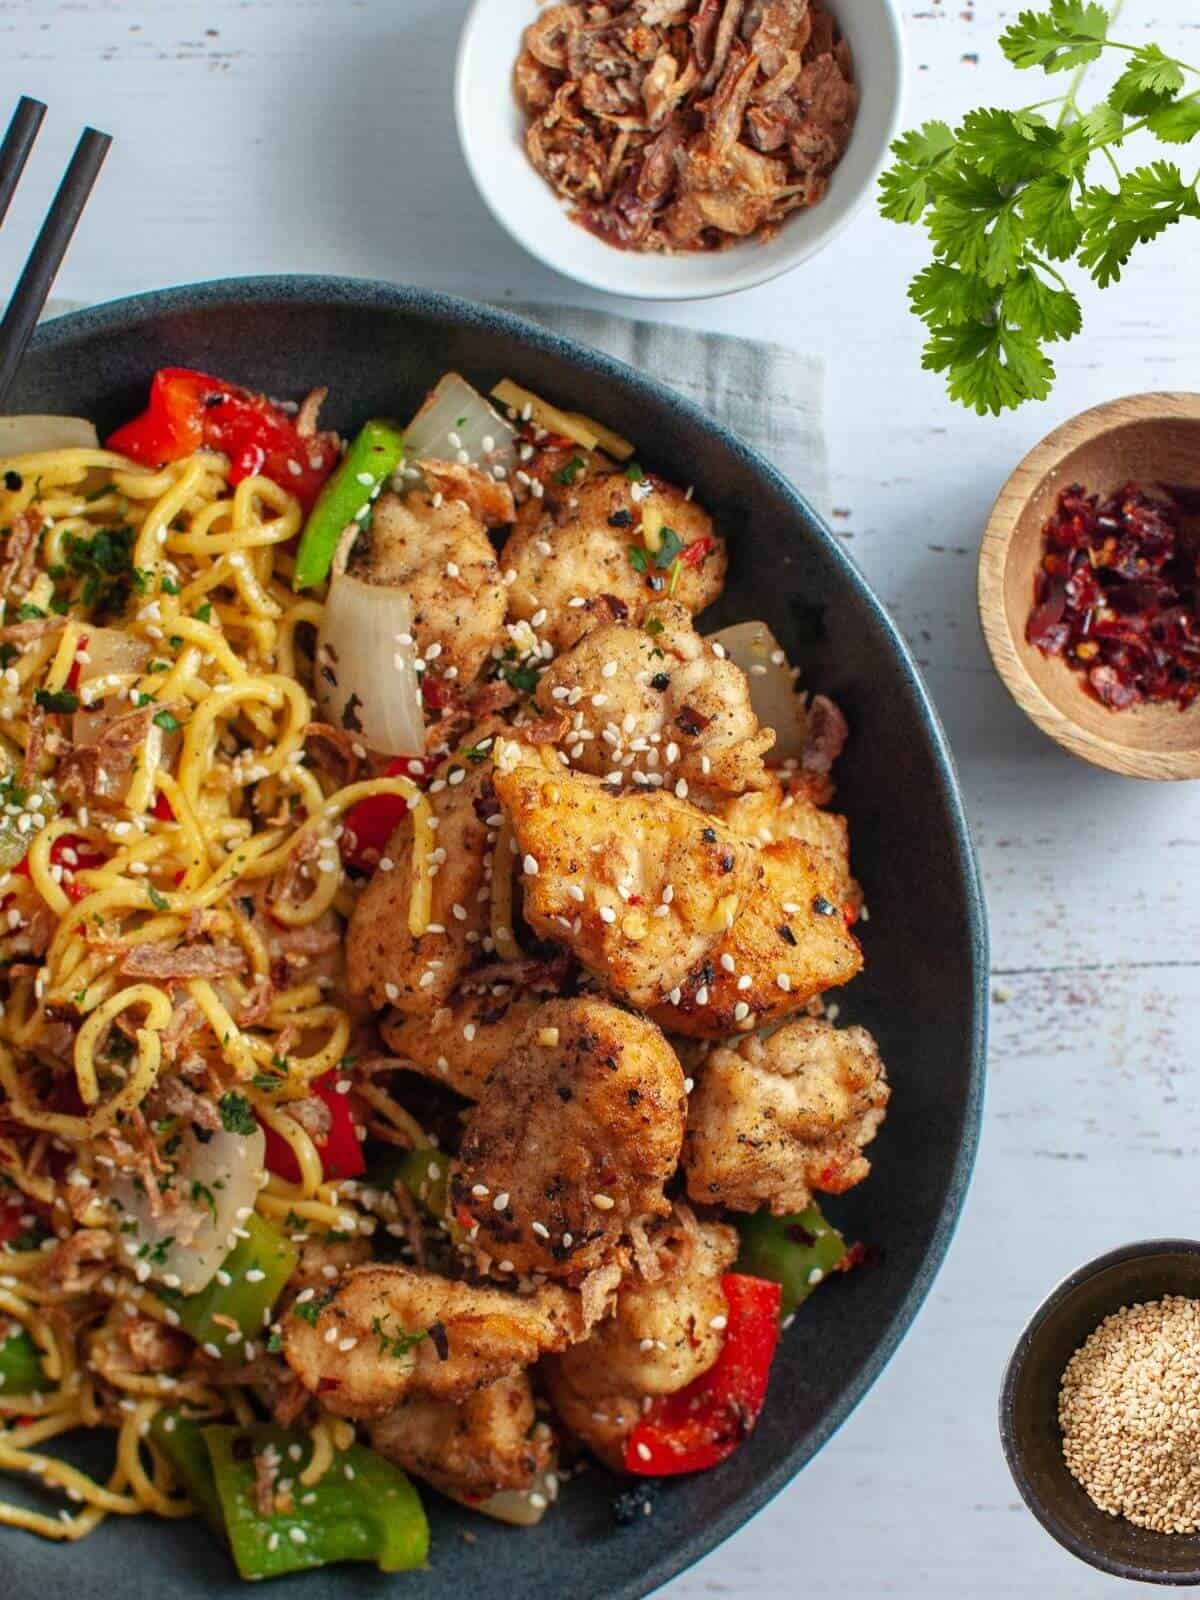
(464, 1040)
(572, 1139)
(491, 1441)
(441, 557)
(674, 706)
(777, 813)
(323, 1261)
(576, 547)
(642, 887)
(421, 1334)
(772, 1120)
(659, 1340)
(384, 961)
(789, 944)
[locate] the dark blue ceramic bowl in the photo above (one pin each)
(923, 992)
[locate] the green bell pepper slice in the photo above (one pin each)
(425, 1173)
(21, 1370)
(258, 1267)
(346, 497)
(363, 1509)
(181, 1439)
(797, 1252)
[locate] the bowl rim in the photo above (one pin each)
(1025, 479)
(745, 270)
(1091, 1554)
(377, 294)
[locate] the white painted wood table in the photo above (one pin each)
(316, 135)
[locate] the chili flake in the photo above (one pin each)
(1116, 596)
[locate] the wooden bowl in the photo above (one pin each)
(1148, 439)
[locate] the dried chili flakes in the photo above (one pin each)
(1116, 595)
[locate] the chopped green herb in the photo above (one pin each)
(169, 586)
(204, 612)
(105, 563)
(524, 679)
(158, 901)
(634, 473)
(63, 700)
(571, 470)
(29, 613)
(204, 1196)
(639, 560)
(236, 1115)
(397, 1344)
(168, 723)
(653, 626)
(670, 547)
(310, 1311)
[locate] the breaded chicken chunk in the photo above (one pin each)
(470, 1451)
(672, 706)
(572, 1139)
(464, 1040)
(391, 1331)
(441, 557)
(776, 1119)
(384, 961)
(788, 812)
(789, 944)
(572, 556)
(660, 1338)
(639, 885)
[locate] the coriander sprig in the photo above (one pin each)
(1007, 194)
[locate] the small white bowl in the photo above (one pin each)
(491, 126)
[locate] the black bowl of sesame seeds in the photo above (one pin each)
(1100, 1412)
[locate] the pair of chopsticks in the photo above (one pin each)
(34, 285)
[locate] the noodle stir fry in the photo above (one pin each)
(394, 892)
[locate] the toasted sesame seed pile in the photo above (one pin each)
(1129, 1410)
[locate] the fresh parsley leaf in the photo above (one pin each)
(904, 189)
(166, 721)
(639, 559)
(570, 471)
(236, 1115)
(274, 1342)
(976, 224)
(204, 612)
(670, 544)
(158, 901)
(524, 679)
(945, 294)
(1042, 310)
(27, 612)
(310, 1311)
(1070, 34)
(1051, 221)
(1150, 199)
(105, 564)
(1010, 146)
(989, 367)
(61, 700)
(1177, 123)
(169, 586)
(634, 473)
(1148, 82)
(397, 1342)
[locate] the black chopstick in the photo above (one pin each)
(18, 142)
(49, 248)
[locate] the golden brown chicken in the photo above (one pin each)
(787, 811)
(789, 944)
(775, 1119)
(438, 553)
(390, 1331)
(464, 1040)
(582, 555)
(662, 1336)
(639, 885)
(571, 1141)
(492, 1440)
(384, 961)
(671, 712)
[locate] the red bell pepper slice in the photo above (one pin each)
(189, 410)
(704, 1423)
(370, 824)
(340, 1151)
(692, 555)
(83, 856)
